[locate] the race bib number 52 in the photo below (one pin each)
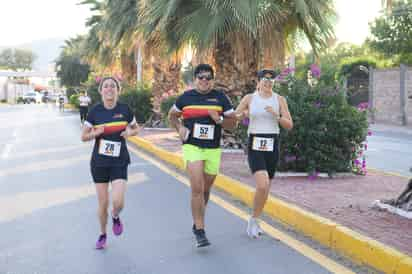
(109, 148)
(262, 144)
(203, 132)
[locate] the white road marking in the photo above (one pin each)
(44, 165)
(6, 151)
(24, 203)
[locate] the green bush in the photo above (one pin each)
(139, 101)
(92, 88)
(327, 133)
(70, 91)
(165, 106)
(74, 100)
(20, 100)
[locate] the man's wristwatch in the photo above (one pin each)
(220, 121)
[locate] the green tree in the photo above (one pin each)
(17, 59)
(7, 59)
(238, 33)
(97, 46)
(24, 59)
(330, 61)
(71, 70)
(113, 44)
(392, 32)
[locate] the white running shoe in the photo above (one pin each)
(252, 228)
(259, 230)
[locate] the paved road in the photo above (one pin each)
(48, 218)
(390, 149)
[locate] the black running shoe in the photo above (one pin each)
(201, 240)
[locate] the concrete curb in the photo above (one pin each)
(358, 248)
(387, 173)
(69, 106)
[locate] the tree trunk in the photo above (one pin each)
(147, 68)
(128, 66)
(236, 68)
(274, 57)
(166, 78)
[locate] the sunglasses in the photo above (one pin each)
(204, 77)
(267, 79)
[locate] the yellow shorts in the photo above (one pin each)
(211, 157)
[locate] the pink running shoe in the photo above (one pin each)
(117, 226)
(101, 242)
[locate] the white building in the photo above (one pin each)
(11, 89)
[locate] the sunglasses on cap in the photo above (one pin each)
(268, 79)
(204, 77)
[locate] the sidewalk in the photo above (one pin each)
(346, 201)
(382, 127)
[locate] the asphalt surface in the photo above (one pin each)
(48, 219)
(390, 149)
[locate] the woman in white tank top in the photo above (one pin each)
(266, 111)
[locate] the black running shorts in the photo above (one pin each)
(108, 174)
(260, 157)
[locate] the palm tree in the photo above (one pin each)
(241, 36)
(387, 4)
(114, 29)
(71, 69)
(119, 26)
(96, 47)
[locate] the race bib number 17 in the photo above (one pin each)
(109, 148)
(203, 132)
(262, 144)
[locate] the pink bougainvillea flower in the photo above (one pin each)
(315, 70)
(245, 121)
(313, 176)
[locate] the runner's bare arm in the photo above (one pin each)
(285, 118)
(229, 123)
(131, 130)
(175, 122)
(229, 120)
(88, 133)
(242, 110)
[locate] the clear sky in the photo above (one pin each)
(23, 21)
(354, 16)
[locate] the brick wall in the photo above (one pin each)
(386, 96)
(409, 92)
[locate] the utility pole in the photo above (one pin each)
(403, 95)
(139, 64)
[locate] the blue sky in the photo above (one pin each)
(28, 20)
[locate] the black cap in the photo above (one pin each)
(263, 72)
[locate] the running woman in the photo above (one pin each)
(266, 111)
(84, 102)
(109, 123)
(204, 111)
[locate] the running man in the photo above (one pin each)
(109, 123)
(61, 102)
(204, 111)
(84, 102)
(266, 111)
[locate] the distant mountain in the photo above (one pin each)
(46, 50)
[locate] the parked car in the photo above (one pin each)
(32, 97)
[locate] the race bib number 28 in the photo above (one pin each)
(109, 148)
(262, 144)
(203, 132)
